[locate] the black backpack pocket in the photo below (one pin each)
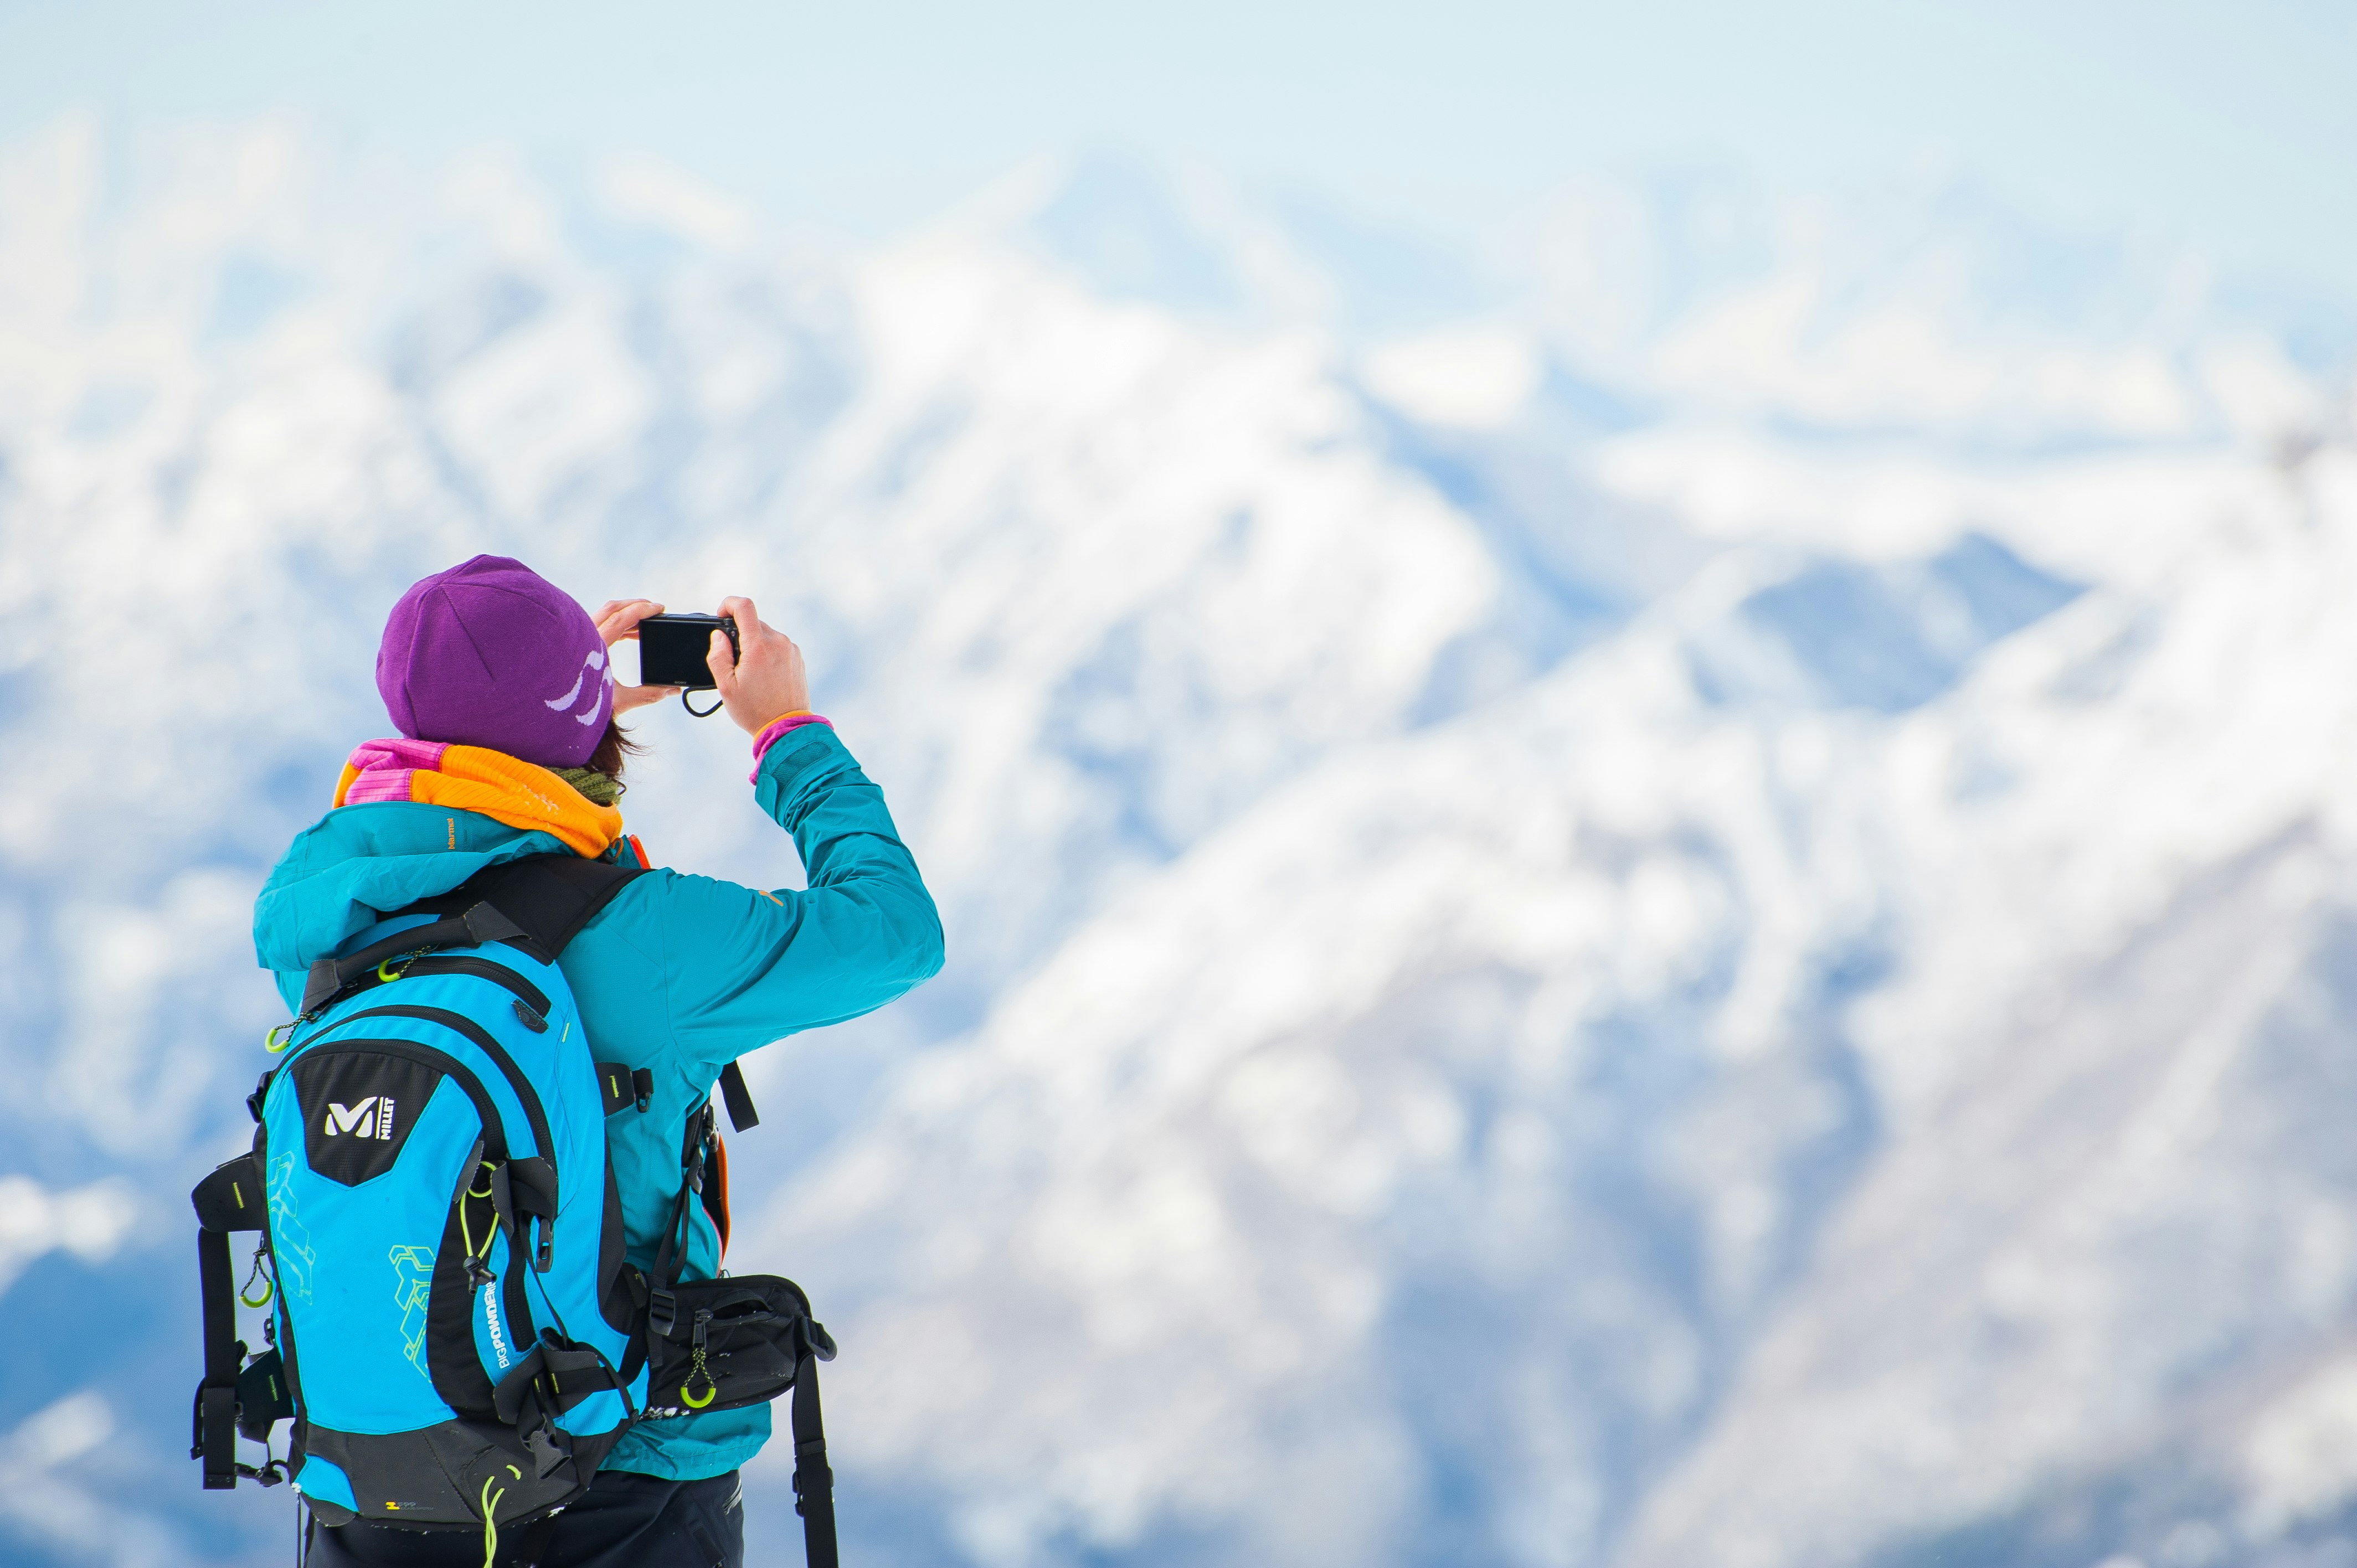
(725, 1344)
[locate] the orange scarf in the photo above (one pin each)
(474, 779)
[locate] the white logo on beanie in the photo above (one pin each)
(596, 662)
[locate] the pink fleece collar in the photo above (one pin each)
(386, 767)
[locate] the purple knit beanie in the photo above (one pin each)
(489, 653)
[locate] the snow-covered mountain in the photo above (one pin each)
(1674, 891)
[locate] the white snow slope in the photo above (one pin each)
(1685, 898)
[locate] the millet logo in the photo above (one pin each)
(372, 1118)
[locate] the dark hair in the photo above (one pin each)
(613, 748)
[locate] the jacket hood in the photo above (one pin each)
(345, 869)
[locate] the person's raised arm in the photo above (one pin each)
(745, 966)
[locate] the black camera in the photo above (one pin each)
(672, 648)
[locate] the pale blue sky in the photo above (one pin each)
(2230, 126)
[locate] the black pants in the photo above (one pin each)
(623, 1520)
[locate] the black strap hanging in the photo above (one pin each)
(813, 1482)
(230, 1199)
(215, 1435)
(738, 1098)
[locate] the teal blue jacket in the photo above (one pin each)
(680, 974)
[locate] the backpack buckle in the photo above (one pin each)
(662, 1311)
(549, 1446)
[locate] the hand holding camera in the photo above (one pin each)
(755, 668)
(618, 621)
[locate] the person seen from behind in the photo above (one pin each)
(502, 689)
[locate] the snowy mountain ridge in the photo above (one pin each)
(1672, 894)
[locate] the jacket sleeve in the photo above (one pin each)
(743, 967)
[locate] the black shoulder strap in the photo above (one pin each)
(330, 978)
(549, 896)
(538, 904)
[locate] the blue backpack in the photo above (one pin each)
(454, 1331)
